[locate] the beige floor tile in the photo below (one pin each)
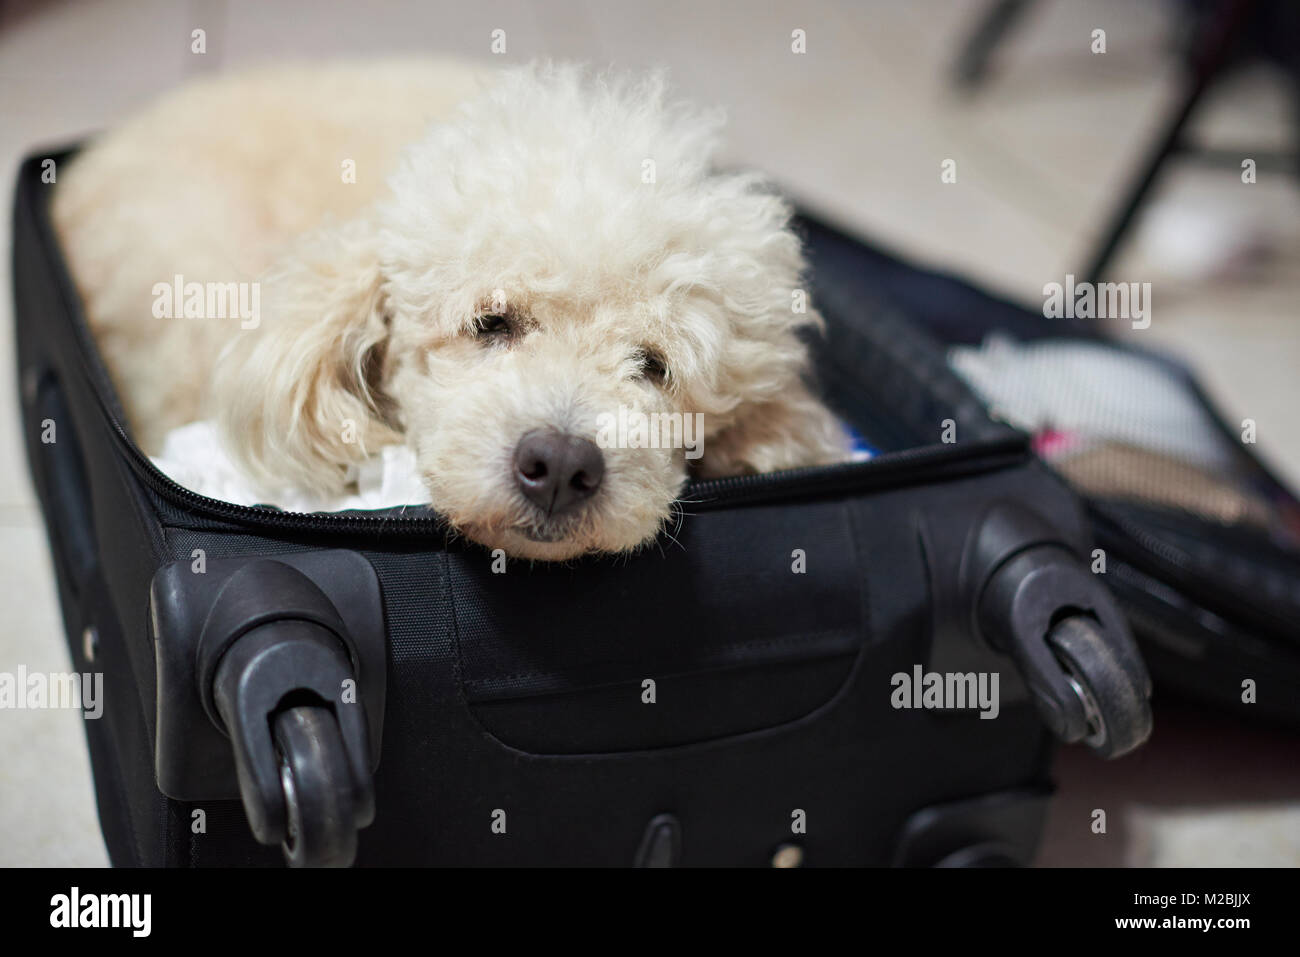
(15, 486)
(70, 67)
(47, 809)
(258, 32)
(1234, 836)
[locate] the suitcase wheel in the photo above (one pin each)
(279, 676)
(1115, 705)
(320, 828)
(1037, 602)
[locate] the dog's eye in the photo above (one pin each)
(492, 326)
(653, 367)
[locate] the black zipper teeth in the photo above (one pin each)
(826, 478)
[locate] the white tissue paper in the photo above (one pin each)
(194, 457)
(1094, 389)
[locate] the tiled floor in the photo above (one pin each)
(856, 127)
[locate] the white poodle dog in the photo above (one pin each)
(487, 266)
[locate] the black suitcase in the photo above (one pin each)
(354, 685)
(1213, 598)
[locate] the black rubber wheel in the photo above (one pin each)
(321, 828)
(1118, 712)
(980, 855)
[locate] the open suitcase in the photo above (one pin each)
(1205, 558)
(354, 686)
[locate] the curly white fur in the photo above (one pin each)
(583, 207)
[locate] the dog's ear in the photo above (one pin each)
(298, 398)
(794, 430)
(760, 415)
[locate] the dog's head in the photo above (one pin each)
(560, 308)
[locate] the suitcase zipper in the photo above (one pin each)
(927, 463)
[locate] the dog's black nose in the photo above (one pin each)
(557, 471)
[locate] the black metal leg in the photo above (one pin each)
(973, 61)
(1216, 42)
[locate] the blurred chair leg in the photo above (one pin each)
(973, 61)
(1211, 54)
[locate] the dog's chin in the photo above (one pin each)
(555, 542)
(529, 543)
